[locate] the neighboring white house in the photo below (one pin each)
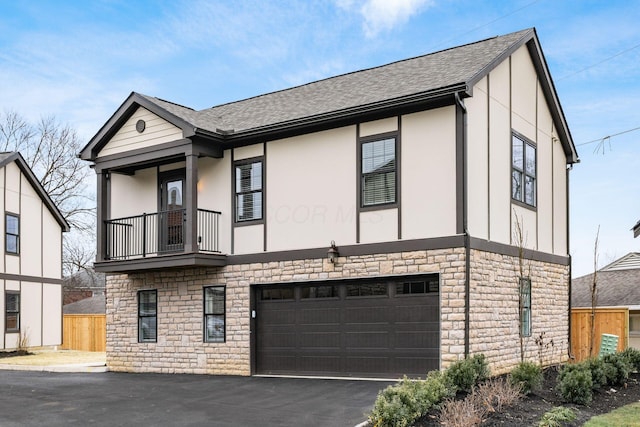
(361, 225)
(31, 254)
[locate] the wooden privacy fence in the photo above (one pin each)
(608, 321)
(86, 332)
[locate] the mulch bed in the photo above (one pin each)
(528, 411)
(14, 353)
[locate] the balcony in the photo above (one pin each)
(159, 240)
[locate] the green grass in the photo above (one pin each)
(626, 416)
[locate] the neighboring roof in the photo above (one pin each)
(8, 157)
(617, 284)
(93, 305)
(397, 85)
(636, 229)
(83, 279)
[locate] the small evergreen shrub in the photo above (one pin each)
(633, 358)
(528, 376)
(399, 405)
(468, 372)
(617, 368)
(598, 372)
(575, 383)
(557, 416)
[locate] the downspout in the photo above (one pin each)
(467, 242)
(569, 349)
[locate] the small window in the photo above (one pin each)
(367, 290)
(214, 312)
(523, 171)
(148, 316)
(525, 307)
(12, 311)
(324, 291)
(248, 176)
(378, 174)
(634, 323)
(12, 233)
(277, 293)
(418, 287)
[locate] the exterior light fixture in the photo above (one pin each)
(332, 253)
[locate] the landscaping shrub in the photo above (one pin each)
(495, 394)
(574, 384)
(461, 413)
(598, 371)
(528, 376)
(401, 404)
(468, 372)
(557, 416)
(633, 358)
(617, 368)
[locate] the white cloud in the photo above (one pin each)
(384, 15)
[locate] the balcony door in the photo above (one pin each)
(171, 210)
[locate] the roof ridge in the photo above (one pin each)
(360, 71)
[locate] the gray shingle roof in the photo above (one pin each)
(93, 305)
(615, 287)
(419, 75)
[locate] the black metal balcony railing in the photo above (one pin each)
(159, 233)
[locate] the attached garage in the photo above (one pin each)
(381, 328)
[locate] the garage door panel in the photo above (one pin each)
(366, 365)
(319, 340)
(317, 364)
(415, 340)
(326, 316)
(367, 339)
(418, 313)
(374, 314)
(278, 315)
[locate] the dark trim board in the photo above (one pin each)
(32, 279)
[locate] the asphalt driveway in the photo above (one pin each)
(118, 399)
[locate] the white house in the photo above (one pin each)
(31, 254)
(361, 225)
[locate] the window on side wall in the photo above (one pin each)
(214, 308)
(248, 189)
(525, 307)
(634, 324)
(12, 233)
(378, 174)
(12, 311)
(523, 170)
(148, 316)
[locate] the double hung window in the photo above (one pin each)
(214, 308)
(248, 189)
(12, 311)
(12, 233)
(148, 316)
(523, 170)
(378, 172)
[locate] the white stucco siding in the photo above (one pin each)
(499, 155)
(560, 207)
(390, 124)
(524, 86)
(52, 314)
(134, 194)
(30, 231)
(127, 138)
(248, 239)
(214, 193)
(12, 188)
(31, 313)
(311, 190)
(378, 226)
(51, 246)
(545, 176)
(478, 161)
(428, 168)
(528, 226)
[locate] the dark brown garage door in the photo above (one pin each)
(375, 328)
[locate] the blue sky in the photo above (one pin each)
(79, 60)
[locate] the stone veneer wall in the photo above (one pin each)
(180, 347)
(494, 314)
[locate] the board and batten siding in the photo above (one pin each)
(510, 99)
(127, 138)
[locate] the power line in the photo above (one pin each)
(598, 63)
(602, 141)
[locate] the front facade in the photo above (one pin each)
(31, 254)
(363, 225)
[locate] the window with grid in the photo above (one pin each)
(12, 311)
(214, 308)
(525, 307)
(248, 176)
(378, 174)
(523, 170)
(148, 316)
(12, 233)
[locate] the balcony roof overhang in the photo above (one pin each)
(162, 262)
